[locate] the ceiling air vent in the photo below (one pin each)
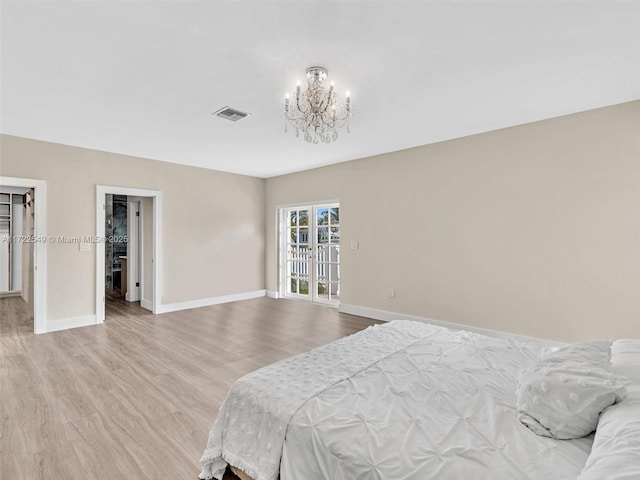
(231, 114)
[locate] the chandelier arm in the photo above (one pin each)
(326, 105)
(298, 105)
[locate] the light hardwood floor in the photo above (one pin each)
(135, 398)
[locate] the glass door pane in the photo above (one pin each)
(298, 258)
(327, 258)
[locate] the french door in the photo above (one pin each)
(310, 252)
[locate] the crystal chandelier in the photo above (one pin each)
(315, 112)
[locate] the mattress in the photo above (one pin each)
(413, 401)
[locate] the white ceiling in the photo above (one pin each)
(142, 78)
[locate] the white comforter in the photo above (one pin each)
(251, 424)
(409, 401)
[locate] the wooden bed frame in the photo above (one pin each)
(240, 474)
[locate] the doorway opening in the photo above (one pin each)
(128, 259)
(125, 256)
(23, 238)
(310, 253)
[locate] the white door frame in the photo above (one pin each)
(156, 257)
(282, 256)
(134, 249)
(39, 270)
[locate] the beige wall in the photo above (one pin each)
(213, 222)
(533, 229)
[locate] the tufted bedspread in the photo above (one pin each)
(402, 400)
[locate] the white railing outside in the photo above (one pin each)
(327, 261)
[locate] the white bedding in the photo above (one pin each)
(429, 403)
(443, 408)
(616, 447)
(249, 430)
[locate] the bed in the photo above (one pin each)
(401, 400)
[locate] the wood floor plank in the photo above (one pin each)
(135, 398)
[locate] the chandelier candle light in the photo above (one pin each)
(315, 112)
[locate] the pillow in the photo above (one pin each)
(615, 454)
(563, 394)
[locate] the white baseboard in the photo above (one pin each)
(388, 316)
(129, 297)
(67, 323)
(272, 294)
(206, 302)
(86, 320)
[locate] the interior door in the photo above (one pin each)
(311, 253)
